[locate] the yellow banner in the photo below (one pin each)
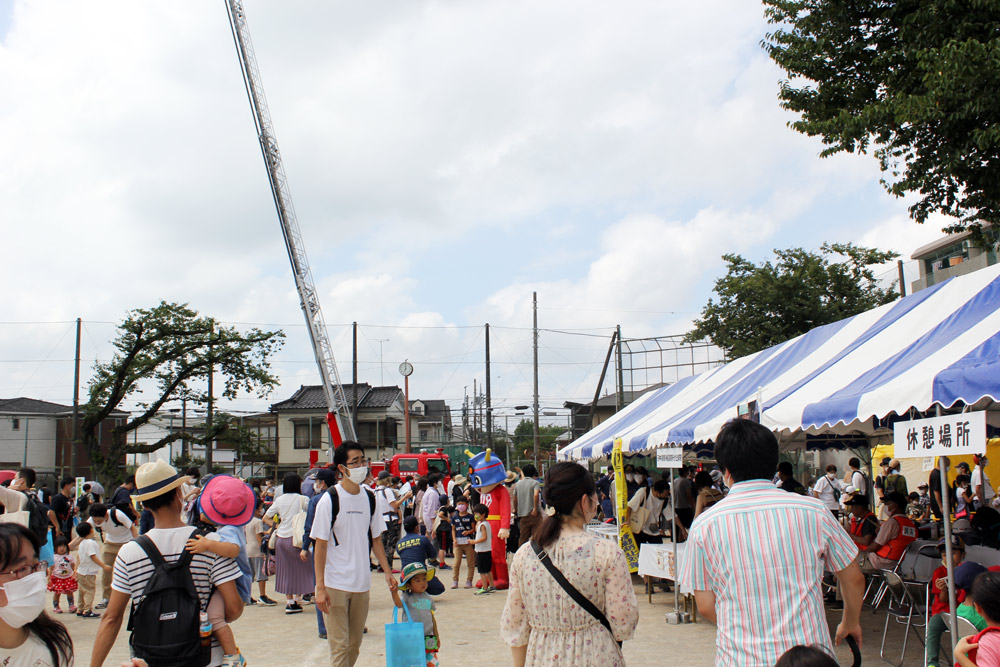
(625, 537)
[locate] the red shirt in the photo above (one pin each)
(940, 603)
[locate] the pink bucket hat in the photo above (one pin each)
(227, 501)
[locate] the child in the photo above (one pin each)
(983, 649)
(89, 567)
(228, 503)
(442, 532)
(484, 552)
(62, 574)
(255, 555)
(806, 656)
(462, 529)
(965, 576)
(413, 589)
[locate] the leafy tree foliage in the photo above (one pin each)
(167, 352)
(917, 80)
(524, 437)
(762, 305)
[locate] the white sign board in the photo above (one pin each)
(670, 457)
(952, 435)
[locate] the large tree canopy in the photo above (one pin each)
(917, 80)
(166, 353)
(762, 305)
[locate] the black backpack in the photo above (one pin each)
(335, 510)
(38, 517)
(165, 622)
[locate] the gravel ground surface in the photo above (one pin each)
(469, 627)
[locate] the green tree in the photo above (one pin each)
(167, 352)
(917, 80)
(524, 437)
(762, 305)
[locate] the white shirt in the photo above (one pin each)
(383, 497)
(980, 477)
(644, 497)
(88, 548)
(347, 565)
(824, 491)
(114, 533)
(287, 506)
(859, 482)
(32, 653)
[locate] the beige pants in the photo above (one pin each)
(108, 555)
(469, 551)
(87, 584)
(345, 625)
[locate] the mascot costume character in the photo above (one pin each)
(488, 475)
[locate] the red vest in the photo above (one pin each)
(857, 523)
(897, 545)
(975, 640)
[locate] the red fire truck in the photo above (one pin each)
(417, 464)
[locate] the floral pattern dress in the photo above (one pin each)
(556, 629)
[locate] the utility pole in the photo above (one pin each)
(620, 397)
(76, 404)
(354, 379)
(475, 412)
(184, 428)
(534, 328)
(902, 285)
(208, 416)
(489, 398)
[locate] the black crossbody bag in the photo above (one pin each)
(577, 596)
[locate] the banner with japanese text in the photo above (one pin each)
(949, 435)
(625, 537)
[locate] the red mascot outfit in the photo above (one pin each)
(488, 475)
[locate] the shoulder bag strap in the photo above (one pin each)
(571, 590)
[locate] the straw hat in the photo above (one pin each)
(459, 480)
(156, 478)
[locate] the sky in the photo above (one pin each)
(445, 159)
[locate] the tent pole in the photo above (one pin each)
(673, 539)
(946, 514)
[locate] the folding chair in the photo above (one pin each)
(874, 575)
(904, 608)
(965, 628)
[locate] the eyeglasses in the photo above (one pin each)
(356, 463)
(23, 571)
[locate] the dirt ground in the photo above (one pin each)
(469, 628)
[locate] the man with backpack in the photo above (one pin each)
(122, 498)
(20, 497)
(346, 529)
(117, 529)
(167, 585)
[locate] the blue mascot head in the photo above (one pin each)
(486, 469)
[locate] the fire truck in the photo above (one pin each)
(417, 464)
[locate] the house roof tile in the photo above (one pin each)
(312, 397)
(23, 405)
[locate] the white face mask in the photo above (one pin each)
(358, 475)
(25, 600)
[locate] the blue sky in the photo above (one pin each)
(446, 160)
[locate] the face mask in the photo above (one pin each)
(462, 507)
(25, 600)
(630, 478)
(358, 475)
(831, 475)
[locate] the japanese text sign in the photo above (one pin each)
(626, 540)
(669, 457)
(951, 435)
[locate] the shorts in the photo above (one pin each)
(484, 562)
(257, 567)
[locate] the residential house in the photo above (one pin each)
(430, 423)
(301, 423)
(952, 255)
(39, 434)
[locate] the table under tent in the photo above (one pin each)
(935, 352)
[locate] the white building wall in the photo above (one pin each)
(41, 442)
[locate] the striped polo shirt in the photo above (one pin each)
(762, 552)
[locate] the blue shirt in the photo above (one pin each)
(415, 548)
(310, 515)
(237, 535)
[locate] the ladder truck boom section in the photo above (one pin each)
(338, 410)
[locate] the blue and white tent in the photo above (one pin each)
(938, 346)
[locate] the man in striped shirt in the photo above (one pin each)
(756, 558)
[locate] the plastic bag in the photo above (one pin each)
(404, 641)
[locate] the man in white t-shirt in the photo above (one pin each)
(982, 490)
(828, 489)
(117, 529)
(159, 489)
(857, 478)
(341, 555)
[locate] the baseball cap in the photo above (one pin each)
(962, 464)
(956, 543)
(886, 461)
(857, 499)
(966, 573)
(894, 463)
(385, 474)
(327, 476)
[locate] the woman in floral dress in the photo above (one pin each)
(541, 622)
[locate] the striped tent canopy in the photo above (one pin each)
(938, 346)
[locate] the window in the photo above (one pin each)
(424, 435)
(309, 436)
(409, 465)
(15, 424)
(436, 465)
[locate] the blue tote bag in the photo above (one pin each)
(404, 641)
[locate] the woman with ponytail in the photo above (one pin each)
(27, 635)
(541, 621)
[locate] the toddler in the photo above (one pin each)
(89, 567)
(484, 550)
(226, 505)
(462, 529)
(62, 575)
(983, 649)
(413, 590)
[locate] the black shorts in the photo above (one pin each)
(484, 561)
